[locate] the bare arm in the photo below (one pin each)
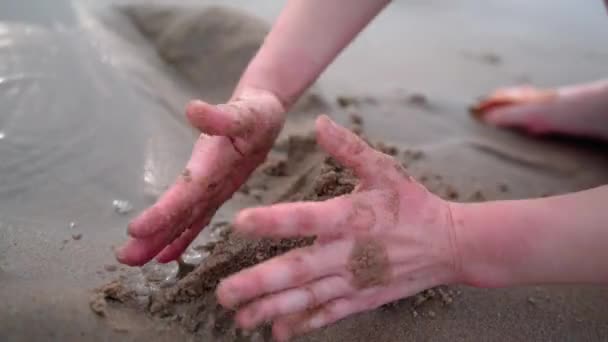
(304, 40)
(306, 37)
(561, 239)
(391, 238)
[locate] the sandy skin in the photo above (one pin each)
(242, 136)
(240, 133)
(237, 136)
(388, 239)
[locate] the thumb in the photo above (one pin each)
(224, 120)
(347, 148)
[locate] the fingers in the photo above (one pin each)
(292, 301)
(326, 219)
(225, 120)
(290, 270)
(211, 162)
(172, 211)
(317, 303)
(520, 107)
(136, 252)
(204, 185)
(529, 117)
(511, 115)
(290, 326)
(506, 96)
(348, 149)
(485, 106)
(177, 247)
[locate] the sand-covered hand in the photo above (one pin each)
(235, 140)
(388, 239)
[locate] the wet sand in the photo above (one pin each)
(97, 117)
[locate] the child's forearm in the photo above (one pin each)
(306, 37)
(561, 239)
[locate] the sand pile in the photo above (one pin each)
(304, 174)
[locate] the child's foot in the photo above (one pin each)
(580, 110)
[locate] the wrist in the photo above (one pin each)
(284, 83)
(267, 104)
(481, 250)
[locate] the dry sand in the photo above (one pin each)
(113, 130)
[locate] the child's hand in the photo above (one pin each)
(239, 135)
(389, 239)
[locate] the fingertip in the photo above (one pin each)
(506, 116)
(321, 121)
(197, 107)
(197, 114)
(127, 255)
(325, 126)
(255, 222)
(226, 294)
(245, 221)
(346, 147)
(222, 119)
(168, 256)
(119, 254)
(244, 319)
(138, 229)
